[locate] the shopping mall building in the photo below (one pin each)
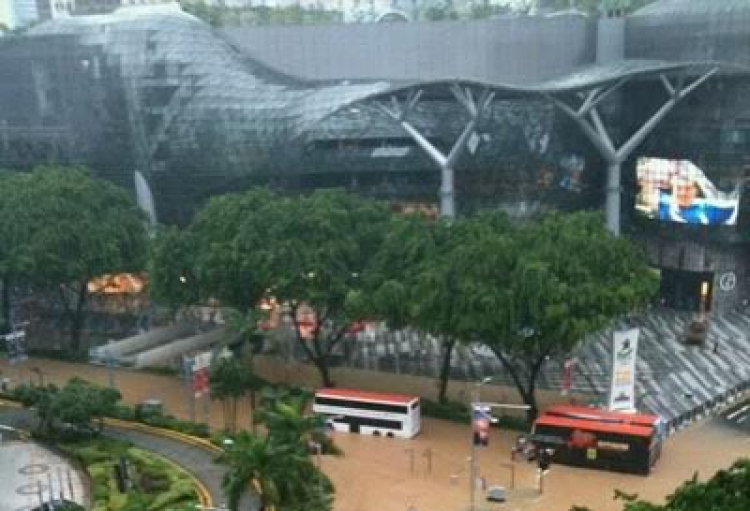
(646, 117)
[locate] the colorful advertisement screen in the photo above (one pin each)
(679, 191)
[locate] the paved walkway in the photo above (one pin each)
(32, 474)
(196, 460)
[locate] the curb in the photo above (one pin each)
(201, 443)
(204, 496)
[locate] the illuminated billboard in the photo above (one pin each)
(679, 191)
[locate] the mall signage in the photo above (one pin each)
(622, 392)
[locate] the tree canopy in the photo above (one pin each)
(529, 292)
(310, 253)
(727, 490)
(278, 463)
(416, 282)
(534, 292)
(67, 228)
(76, 405)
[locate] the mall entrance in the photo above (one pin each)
(684, 290)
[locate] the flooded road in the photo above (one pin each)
(376, 474)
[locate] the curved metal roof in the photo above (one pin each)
(209, 84)
(218, 76)
(707, 8)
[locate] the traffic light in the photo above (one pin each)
(481, 425)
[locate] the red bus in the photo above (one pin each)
(589, 437)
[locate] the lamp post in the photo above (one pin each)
(478, 405)
(474, 462)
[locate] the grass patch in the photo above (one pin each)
(152, 484)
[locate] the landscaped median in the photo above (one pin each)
(129, 478)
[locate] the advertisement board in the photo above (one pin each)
(622, 392)
(679, 191)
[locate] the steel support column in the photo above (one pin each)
(587, 118)
(446, 162)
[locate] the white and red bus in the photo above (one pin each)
(369, 413)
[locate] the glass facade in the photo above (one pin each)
(163, 94)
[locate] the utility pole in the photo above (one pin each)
(479, 407)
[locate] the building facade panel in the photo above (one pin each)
(515, 50)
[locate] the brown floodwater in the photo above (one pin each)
(376, 474)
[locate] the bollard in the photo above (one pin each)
(411, 459)
(428, 454)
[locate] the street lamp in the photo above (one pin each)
(478, 405)
(474, 462)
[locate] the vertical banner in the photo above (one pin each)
(201, 383)
(622, 392)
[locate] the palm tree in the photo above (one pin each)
(253, 463)
(285, 416)
(283, 477)
(231, 379)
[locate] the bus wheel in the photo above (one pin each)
(389, 435)
(376, 433)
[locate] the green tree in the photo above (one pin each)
(81, 403)
(230, 236)
(231, 379)
(727, 490)
(78, 404)
(213, 15)
(220, 257)
(286, 418)
(417, 282)
(282, 475)
(307, 252)
(535, 292)
(173, 281)
(78, 228)
(321, 255)
(595, 6)
(14, 235)
(440, 11)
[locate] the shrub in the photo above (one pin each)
(459, 412)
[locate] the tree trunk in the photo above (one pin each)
(527, 392)
(325, 372)
(445, 369)
(76, 323)
(225, 411)
(253, 403)
(5, 325)
(529, 398)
